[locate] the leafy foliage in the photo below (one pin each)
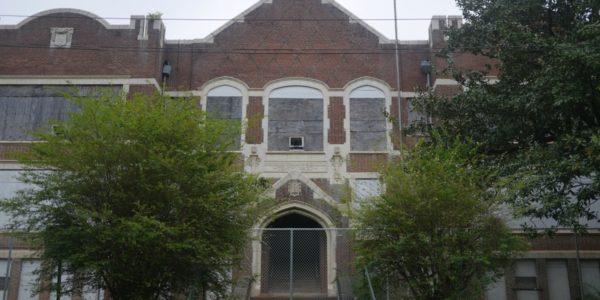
(140, 197)
(434, 229)
(539, 123)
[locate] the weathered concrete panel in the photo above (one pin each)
(368, 124)
(295, 117)
(24, 109)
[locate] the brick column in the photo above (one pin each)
(255, 113)
(509, 276)
(573, 278)
(15, 278)
(542, 279)
(336, 113)
(395, 115)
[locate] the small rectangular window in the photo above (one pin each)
(296, 143)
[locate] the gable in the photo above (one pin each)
(288, 14)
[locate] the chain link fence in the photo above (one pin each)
(307, 264)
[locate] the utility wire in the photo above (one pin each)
(224, 19)
(273, 51)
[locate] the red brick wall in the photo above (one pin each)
(9, 151)
(394, 114)
(142, 89)
(94, 50)
(15, 275)
(366, 162)
(336, 112)
(334, 52)
(566, 242)
(255, 113)
(447, 90)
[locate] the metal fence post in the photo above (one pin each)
(370, 285)
(291, 263)
(387, 288)
(8, 267)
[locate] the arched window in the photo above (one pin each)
(295, 119)
(225, 102)
(368, 126)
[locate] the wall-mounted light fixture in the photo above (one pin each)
(426, 69)
(166, 69)
(166, 72)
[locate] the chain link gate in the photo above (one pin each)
(296, 263)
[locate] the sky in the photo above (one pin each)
(118, 12)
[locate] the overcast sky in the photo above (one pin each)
(227, 9)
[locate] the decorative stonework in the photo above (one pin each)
(61, 37)
(337, 161)
(253, 160)
(294, 188)
(367, 188)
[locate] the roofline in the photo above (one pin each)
(211, 37)
(354, 19)
(241, 17)
(73, 11)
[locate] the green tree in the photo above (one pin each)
(539, 123)
(140, 197)
(435, 229)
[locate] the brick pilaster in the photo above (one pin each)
(255, 113)
(336, 113)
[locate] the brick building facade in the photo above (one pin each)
(312, 84)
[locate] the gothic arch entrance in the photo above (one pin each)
(294, 256)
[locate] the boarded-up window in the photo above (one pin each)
(225, 102)
(368, 125)
(295, 112)
(25, 108)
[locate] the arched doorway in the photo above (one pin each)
(294, 256)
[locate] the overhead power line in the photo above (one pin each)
(273, 51)
(232, 19)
